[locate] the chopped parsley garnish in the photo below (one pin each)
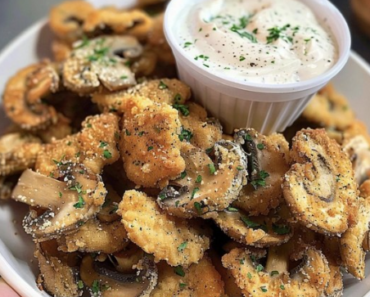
(244, 34)
(69, 143)
(275, 33)
(209, 150)
(95, 288)
(259, 268)
(103, 144)
(88, 125)
(84, 42)
(185, 135)
(255, 31)
(247, 137)
(114, 209)
(107, 154)
(162, 196)
(60, 194)
(338, 178)
(80, 284)
(177, 98)
(251, 224)
(59, 163)
(280, 229)
(182, 285)
(196, 189)
(182, 246)
(187, 44)
(98, 54)
(272, 273)
(232, 209)
(184, 109)
(241, 261)
(198, 180)
(179, 270)
(205, 65)
(282, 287)
(141, 133)
(263, 289)
(183, 174)
(124, 77)
(150, 148)
(307, 40)
(78, 154)
(128, 133)
(260, 182)
(240, 168)
(177, 203)
(260, 146)
(212, 168)
(80, 203)
(241, 58)
(249, 275)
(198, 207)
(162, 85)
(253, 258)
(205, 58)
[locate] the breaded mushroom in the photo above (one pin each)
(150, 144)
(198, 280)
(319, 188)
(167, 238)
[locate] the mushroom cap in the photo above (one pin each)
(261, 231)
(320, 189)
(101, 62)
(206, 185)
(23, 93)
(105, 280)
(18, 151)
(66, 19)
(268, 159)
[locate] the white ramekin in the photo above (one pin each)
(265, 107)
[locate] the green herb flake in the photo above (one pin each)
(80, 284)
(247, 137)
(263, 289)
(177, 203)
(107, 154)
(150, 148)
(95, 288)
(187, 44)
(84, 42)
(280, 229)
(198, 180)
(195, 190)
(259, 268)
(241, 58)
(183, 174)
(272, 273)
(69, 143)
(260, 182)
(185, 135)
(198, 208)
(162, 196)
(124, 77)
(141, 133)
(260, 146)
(232, 209)
(88, 125)
(177, 98)
(275, 33)
(240, 168)
(80, 203)
(182, 285)
(128, 133)
(244, 34)
(182, 246)
(249, 275)
(212, 168)
(103, 144)
(78, 154)
(184, 109)
(162, 85)
(205, 65)
(255, 31)
(60, 194)
(282, 287)
(179, 271)
(249, 223)
(241, 261)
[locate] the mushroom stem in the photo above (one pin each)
(277, 259)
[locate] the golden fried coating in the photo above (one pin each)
(198, 280)
(61, 50)
(309, 281)
(150, 145)
(168, 91)
(329, 109)
(157, 41)
(23, 93)
(268, 161)
(18, 152)
(94, 236)
(320, 189)
(119, 22)
(205, 132)
(351, 250)
(67, 18)
(95, 146)
(168, 238)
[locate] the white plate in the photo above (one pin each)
(17, 266)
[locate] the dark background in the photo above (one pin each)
(17, 15)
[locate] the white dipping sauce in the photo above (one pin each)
(265, 41)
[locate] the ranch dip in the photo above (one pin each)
(263, 41)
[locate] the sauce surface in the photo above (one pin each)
(264, 41)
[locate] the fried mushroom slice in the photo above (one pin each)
(104, 280)
(94, 236)
(358, 150)
(95, 147)
(320, 189)
(58, 275)
(206, 185)
(118, 22)
(22, 99)
(125, 260)
(101, 62)
(329, 109)
(150, 145)
(351, 249)
(18, 151)
(261, 231)
(66, 19)
(156, 232)
(308, 279)
(198, 280)
(201, 131)
(335, 284)
(66, 203)
(165, 90)
(268, 159)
